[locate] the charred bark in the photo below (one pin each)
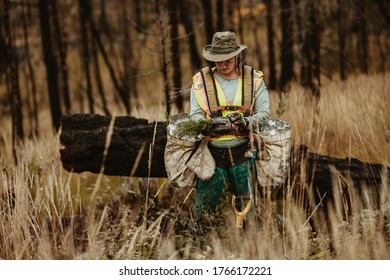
(361, 25)
(83, 139)
(220, 15)
(60, 35)
(271, 47)
(382, 8)
(311, 49)
(33, 108)
(186, 20)
(287, 44)
(164, 62)
(208, 19)
(175, 54)
(342, 35)
(13, 74)
(84, 15)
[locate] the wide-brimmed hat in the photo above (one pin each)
(223, 47)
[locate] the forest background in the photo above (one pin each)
(326, 67)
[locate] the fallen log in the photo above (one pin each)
(136, 148)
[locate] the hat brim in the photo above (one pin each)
(218, 57)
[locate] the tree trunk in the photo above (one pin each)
(342, 34)
(311, 49)
(127, 54)
(111, 71)
(230, 15)
(385, 13)
(240, 22)
(84, 22)
(33, 112)
(50, 63)
(137, 149)
(271, 48)
(131, 147)
(186, 19)
(208, 19)
(102, 21)
(95, 58)
(258, 51)
(138, 15)
(287, 55)
(175, 54)
(62, 48)
(362, 35)
(220, 15)
(164, 65)
(13, 73)
(3, 46)
(300, 35)
(99, 80)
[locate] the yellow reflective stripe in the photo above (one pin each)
(257, 79)
(238, 98)
(226, 137)
(200, 94)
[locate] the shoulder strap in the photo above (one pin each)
(211, 92)
(247, 88)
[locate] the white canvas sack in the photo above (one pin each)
(273, 153)
(186, 159)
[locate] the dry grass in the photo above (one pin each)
(351, 120)
(47, 213)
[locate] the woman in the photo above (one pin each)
(223, 91)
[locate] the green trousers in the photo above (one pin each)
(237, 179)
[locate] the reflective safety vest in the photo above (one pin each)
(211, 98)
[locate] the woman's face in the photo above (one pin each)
(226, 67)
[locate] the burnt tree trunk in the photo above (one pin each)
(50, 63)
(311, 49)
(362, 47)
(220, 15)
(342, 35)
(127, 54)
(240, 22)
(286, 50)
(83, 139)
(98, 43)
(164, 62)
(186, 20)
(175, 54)
(33, 108)
(84, 21)
(208, 19)
(138, 15)
(300, 35)
(13, 74)
(61, 39)
(229, 22)
(382, 8)
(271, 47)
(137, 149)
